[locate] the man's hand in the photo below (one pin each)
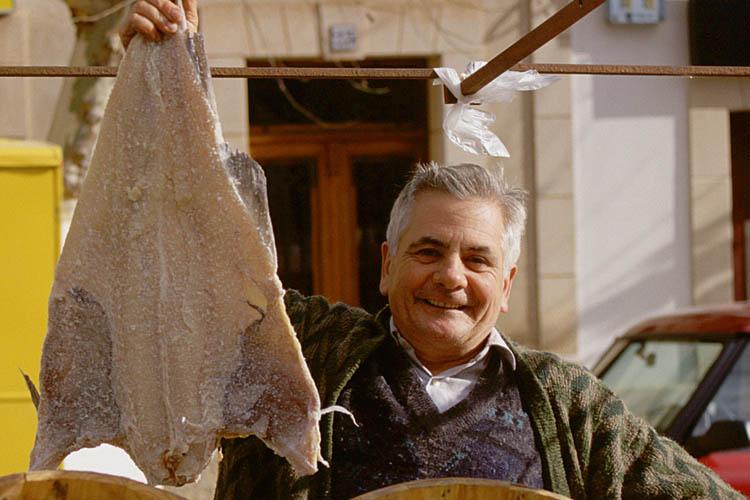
(156, 18)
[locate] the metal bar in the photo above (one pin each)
(549, 29)
(236, 72)
(327, 73)
(392, 73)
(631, 70)
(57, 71)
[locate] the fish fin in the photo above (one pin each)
(32, 389)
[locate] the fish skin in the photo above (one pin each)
(167, 328)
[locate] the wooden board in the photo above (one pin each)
(459, 489)
(74, 485)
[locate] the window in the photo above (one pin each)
(657, 378)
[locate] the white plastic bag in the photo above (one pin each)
(467, 126)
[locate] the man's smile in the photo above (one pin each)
(443, 305)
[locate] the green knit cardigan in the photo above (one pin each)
(591, 446)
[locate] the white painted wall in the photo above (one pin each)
(630, 141)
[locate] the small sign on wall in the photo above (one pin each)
(343, 37)
(6, 6)
(635, 11)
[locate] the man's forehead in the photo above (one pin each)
(482, 246)
(435, 220)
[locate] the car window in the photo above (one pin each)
(657, 378)
(732, 400)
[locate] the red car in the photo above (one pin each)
(688, 375)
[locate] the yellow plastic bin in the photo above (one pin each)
(30, 197)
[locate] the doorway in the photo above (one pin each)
(739, 123)
(335, 156)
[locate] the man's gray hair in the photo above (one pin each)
(464, 181)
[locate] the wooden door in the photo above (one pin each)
(330, 195)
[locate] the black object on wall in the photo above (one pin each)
(719, 32)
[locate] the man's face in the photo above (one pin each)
(445, 283)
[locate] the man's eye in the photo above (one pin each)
(481, 261)
(428, 252)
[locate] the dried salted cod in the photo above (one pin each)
(166, 327)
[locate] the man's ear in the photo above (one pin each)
(385, 268)
(507, 284)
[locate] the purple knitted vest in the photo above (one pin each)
(402, 436)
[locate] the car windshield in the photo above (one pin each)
(656, 378)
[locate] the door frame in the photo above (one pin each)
(740, 147)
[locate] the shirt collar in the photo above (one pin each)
(494, 340)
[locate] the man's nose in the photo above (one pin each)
(451, 272)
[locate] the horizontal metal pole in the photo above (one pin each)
(236, 72)
(635, 70)
(390, 73)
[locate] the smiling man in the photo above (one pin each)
(445, 277)
(435, 388)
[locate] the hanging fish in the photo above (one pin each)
(167, 328)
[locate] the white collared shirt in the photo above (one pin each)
(451, 386)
